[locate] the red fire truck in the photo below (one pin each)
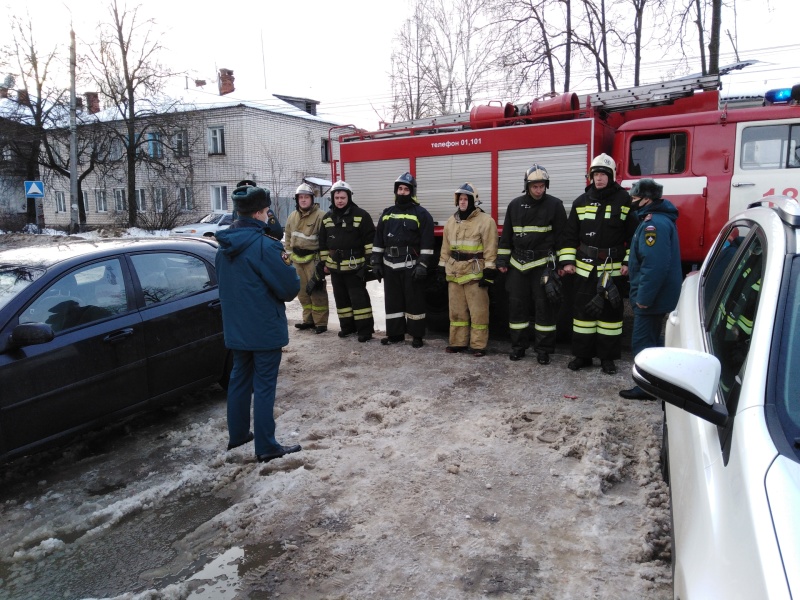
(711, 159)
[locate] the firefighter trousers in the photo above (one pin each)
(595, 336)
(469, 315)
(527, 300)
(352, 303)
(315, 306)
(404, 299)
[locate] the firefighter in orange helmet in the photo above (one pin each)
(467, 261)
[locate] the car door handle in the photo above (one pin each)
(743, 184)
(215, 304)
(118, 336)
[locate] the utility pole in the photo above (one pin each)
(74, 219)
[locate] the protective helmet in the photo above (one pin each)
(535, 174)
(406, 179)
(303, 188)
(244, 182)
(647, 188)
(341, 186)
(604, 164)
(249, 199)
(469, 190)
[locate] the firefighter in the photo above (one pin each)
(302, 245)
(528, 248)
(345, 244)
(402, 253)
(467, 261)
(595, 246)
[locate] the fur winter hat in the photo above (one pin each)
(647, 188)
(248, 199)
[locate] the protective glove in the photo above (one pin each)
(612, 294)
(377, 269)
(441, 275)
(594, 308)
(489, 275)
(420, 272)
(552, 285)
(363, 273)
(312, 284)
(319, 270)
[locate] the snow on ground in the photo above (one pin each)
(422, 475)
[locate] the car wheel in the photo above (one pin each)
(665, 452)
(226, 372)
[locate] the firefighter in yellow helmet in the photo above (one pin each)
(467, 261)
(528, 248)
(595, 246)
(302, 246)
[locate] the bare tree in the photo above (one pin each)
(411, 93)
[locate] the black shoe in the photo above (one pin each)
(417, 342)
(543, 358)
(302, 326)
(577, 363)
(344, 334)
(479, 353)
(247, 440)
(636, 393)
(320, 329)
(608, 366)
(454, 349)
(365, 338)
(393, 339)
(517, 353)
(278, 452)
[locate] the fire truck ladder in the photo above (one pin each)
(660, 93)
(443, 121)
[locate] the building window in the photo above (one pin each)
(216, 140)
(116, 151)
(85, 196)
(61, 205)
(100, 201)
(185, 198)
(140, 202)
(660, 154)
(119, 200)
(325, 150)
(159, 199)
(154, 146)
(6, 153)
(181, 143)
(219, 198)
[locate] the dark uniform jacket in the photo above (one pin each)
(404, 235)
(531, 231)
(345, 238)
(598, 229)
(655, 259)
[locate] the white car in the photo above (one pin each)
(207, 227)
(730, 379)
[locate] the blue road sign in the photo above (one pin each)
(34, 189)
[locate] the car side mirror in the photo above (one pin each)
(29, 334)
(687, 379)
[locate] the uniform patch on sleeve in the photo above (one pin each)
(650, 235)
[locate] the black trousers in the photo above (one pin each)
(527, 301)
(595, 336)
(352, 303)
(404, 301)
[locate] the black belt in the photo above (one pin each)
(342, 255)
(602, 253)
(398, 251)
(458, 255)
(528, 255)
(301, 252)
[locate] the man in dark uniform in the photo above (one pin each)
(401, 255)
(533, 224)
(345, 244)
(595, 246)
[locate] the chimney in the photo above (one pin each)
(22, 97)
(93, 102)
(3, 92)
(225, 81)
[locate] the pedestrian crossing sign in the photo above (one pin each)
(34, 189)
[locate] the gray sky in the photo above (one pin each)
(339, 52)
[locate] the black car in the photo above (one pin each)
(91, 331)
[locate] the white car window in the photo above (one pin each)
(167, 275)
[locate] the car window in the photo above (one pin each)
(14, 279)
(787, 355)
(167, 275)
(732, 316)
(226, 220)
(734, 237)
(86, 295)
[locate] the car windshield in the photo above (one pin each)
(212, 218)
(788, 380)
(14, 279)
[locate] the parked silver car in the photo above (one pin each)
(207, 227)
(730, 379)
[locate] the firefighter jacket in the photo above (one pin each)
(468, 246)
(404, 235)
(345, 238)
(302, 234)
(531, 231)
(598, 231)
(655, 259)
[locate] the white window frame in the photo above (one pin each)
(325, 150)
(141, 199)
(119, 200)
(181, 143)
(219, 198)
(85, 196)
(61, 203)
(184, 196)
(100, 201)
(155, 146)
(216, 139)
(159, 199)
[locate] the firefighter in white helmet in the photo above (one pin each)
(345, 243)
(302, 246)
(528, 252)
(467, 261)
(595, 247)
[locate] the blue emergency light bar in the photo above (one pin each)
(782, 95)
